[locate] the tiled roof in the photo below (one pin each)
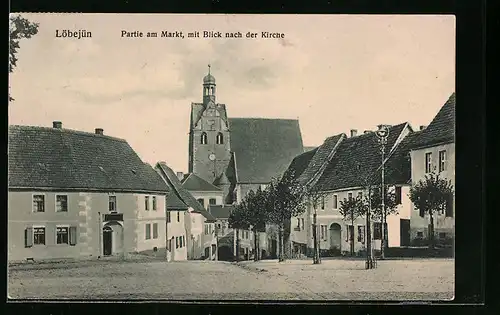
(398, 165)
(174, 183)
(300, 162)
(442, 127)
(321, 156)
(356, 159)
(195, 183)
(175, 203)
(41, 157)
(220, 212)
(264, 148)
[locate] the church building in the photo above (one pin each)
(238, 154)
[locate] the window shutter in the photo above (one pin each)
(72, 235)
(449, 206)
(28, 237)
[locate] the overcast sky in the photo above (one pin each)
(334, 73)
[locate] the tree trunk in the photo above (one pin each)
(369, 257)
(237, 232)
(255, 249)
(315, 241)
(281, 256)
(431, 231)
(351, 235)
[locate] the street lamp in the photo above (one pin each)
(382, 134)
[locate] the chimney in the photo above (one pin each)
(180, 175)
(354, 132)
(99, 131)
(367, 131)
(423, 127)
(57, 124)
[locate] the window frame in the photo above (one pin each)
(146, 203)
(57, 234)
(203, 138)
(148, 228)
(361, 237)
(55, 204)
(155, 229)
(214, 201)
(115, 203)
(219, 138)
(442, 160)
(335, 201)
(322, 202)
(169, 218)
(33, 202)
(154, 205)
(34, 227)
(428, 162)
(178, 216)
(398, 191)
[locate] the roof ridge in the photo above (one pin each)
(66, 130)
(263, 118)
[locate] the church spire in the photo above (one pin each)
(208, 87)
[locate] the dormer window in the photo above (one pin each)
(220, 138)
(204, 138)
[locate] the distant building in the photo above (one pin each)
(239, 154)
(434, 151)
(78, 194)
(342, 168)
(177, 236)
(199, 223)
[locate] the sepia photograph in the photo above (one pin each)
(231, 157)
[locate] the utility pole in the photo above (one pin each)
(382, 135)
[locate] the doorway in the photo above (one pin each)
(107, 240)
(404, 228)
(336, 238)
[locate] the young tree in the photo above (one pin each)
(430, 195)
(352, 208)
(256, 216)
(285, 199)
(19, 28)
(238, 219)
(390, 207)
(315, 196)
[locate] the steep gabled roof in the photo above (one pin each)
(197, 110)
(300, 163)
(193, 182)
(442, 127)
(220, 212)
(264, 148)
(398, 166)
(175, 203)
(173, 181)
(57, 158)
(356, 160)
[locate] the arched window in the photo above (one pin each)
(204, 138)
(212, 90)
(220, 138)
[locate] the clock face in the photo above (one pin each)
(211, 156)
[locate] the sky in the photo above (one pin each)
(333, 73)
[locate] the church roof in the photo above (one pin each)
(442, 127)
(185, 196)
(197, 110)
(41, 157)
(264, 148)
(357, 159)
(209, 79)
(193, 182)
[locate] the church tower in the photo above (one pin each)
(209, 136)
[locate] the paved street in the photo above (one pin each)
(267, 280)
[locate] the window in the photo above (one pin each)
(203, 138)
(335, 202)
(61, 203)
(349, 196)
(322, 202)
(442, 160)
(428, 162)
(155, 230)
(442, 235)
(420, 234)
(350, 233)
(72, 235)
(206, 229)
(112, 203)
(212, 201)
(39, 236)
(180, 241)
(178, 216)
(176, 242)
(377, 231)
(154, 203)
(183, 240)
(168, 217)
(302, 220)
(398, 195)
(202, 202)
(360, 195)
(146, 203)
(220, 138)
(62, 235)
(148, 231)
(361, 234)
(298, 224)
(38, 203)
(323, 232)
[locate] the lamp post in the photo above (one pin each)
(216, 242)
(382, 134)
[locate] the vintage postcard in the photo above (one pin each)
(231, 157)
